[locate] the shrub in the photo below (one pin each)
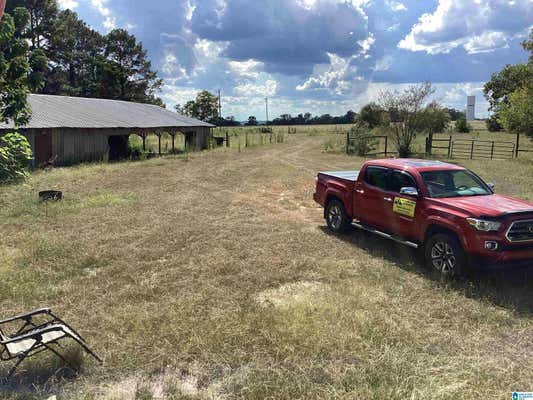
(360, 142)
(492, 124)
(15, 157)
(462, 126)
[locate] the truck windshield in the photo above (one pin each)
(454, 183)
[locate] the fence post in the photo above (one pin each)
(386, 144)
(450, 147)
(348, 142)
(492, 151)
(429, 143)
(227, 139)
(517, 148)
(472, 151)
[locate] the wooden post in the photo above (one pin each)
(517, 148)
(450, 147)
(159, 139)
(492, 151)
(472, 150)
(429, 143)
(348, 142)
(144, 140)
(386, 145)
(173, 147)
(227, 139)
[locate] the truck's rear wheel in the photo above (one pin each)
(444, 253)
(336, 216)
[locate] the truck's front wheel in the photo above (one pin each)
(336, 216)
(444, 253)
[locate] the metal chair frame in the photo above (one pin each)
(32, 331)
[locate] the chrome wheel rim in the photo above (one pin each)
(335, 216)
(443, 258)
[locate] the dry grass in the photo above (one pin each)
(212, 276)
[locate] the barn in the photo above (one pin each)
(69, 130)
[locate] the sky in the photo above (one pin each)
(318, 56)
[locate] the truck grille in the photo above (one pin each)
(520, 231)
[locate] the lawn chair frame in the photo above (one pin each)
(30, 330)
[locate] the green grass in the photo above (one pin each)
(211, 275)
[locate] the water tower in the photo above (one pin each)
(471, 108)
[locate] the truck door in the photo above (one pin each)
(371, 198)
(402, 211)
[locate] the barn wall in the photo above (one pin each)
(202, 138)
(79, 145)
(72, 146)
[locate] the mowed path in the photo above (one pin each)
(213, 276)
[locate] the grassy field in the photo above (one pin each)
(211, 276)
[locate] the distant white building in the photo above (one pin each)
(471, 108)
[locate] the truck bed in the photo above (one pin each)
(346, 175)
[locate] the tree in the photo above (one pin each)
(252, 121)
(517, 114)
(14, 68)
(462, 126)
(228, 121)
(371, 114)
(204, 107)
(405, 114)
(509, 79)
(505, 82)
(435, 118)
(42, 16)
(125, 72)
(455, 114)
(76, 53)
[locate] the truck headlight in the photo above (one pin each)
(484, 225)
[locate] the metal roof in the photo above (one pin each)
(79, 112)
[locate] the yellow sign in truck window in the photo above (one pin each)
(404, 207)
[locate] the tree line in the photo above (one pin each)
(67, 57)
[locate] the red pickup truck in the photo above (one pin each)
(443, 209)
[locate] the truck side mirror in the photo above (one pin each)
(491, 185)
(409, 191)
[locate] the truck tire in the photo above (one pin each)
(336, 216)
(444, 254)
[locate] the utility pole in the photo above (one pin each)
(266, 108)
(219, 109)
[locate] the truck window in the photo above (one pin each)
(398, 180)
(376, 176)
(454, 183)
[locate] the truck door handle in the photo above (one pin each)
(360, 191)
(387, 199)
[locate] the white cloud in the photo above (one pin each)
(397, 6)
(206, 50)
(268, 89)
(475, 25)
(246, 69)
(338, 77)
(384, 63)
(171, 66)
(367, 43)
(70, 4)
(110, 22)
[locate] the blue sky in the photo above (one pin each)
(321, 56)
